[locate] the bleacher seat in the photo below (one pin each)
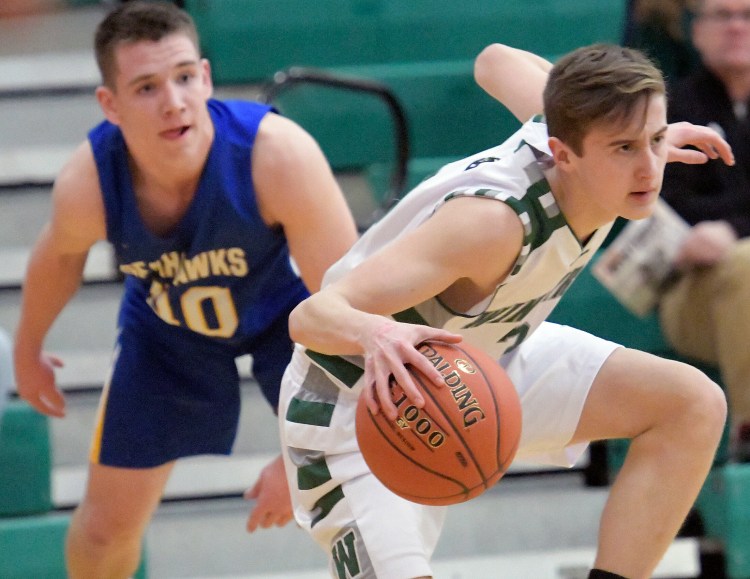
(25, 462)
(34, 546)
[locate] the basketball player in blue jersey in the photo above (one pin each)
(205, 202)
(482, 252)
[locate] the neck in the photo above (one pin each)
(172, 179)
(176, 175)
(577, 207)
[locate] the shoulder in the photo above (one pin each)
(76, 194)
(478, 219)
(282, 137)
(283, 150)
(79, 173)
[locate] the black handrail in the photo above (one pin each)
(295, 76)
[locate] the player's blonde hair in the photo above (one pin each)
(135, 22)
(594, 86)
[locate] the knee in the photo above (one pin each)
(701, 407)
(100, 528)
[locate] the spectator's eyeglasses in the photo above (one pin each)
(726, 16)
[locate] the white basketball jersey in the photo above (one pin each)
(549, 261)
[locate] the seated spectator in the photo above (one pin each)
(661, 29)
(706, 315)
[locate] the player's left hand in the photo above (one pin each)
(273, 505)
(709, 143)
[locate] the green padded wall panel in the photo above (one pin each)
(248, 40)
(448, 115)
(33, 547)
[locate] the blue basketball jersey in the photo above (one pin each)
(221, 272)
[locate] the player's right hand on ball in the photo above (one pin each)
(388, 352)
(35, 382)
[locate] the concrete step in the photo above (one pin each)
(23, 213)
(87, 323)
(540, 528)
(200, 477)
(100, 265)
(66, 30)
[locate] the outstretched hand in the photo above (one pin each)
(709, 143)
(273, 504)
(388, 353)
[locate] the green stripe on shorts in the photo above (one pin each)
(337, 366)
(313, 475)
(326, 504)
(307, 412)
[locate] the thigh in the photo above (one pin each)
(122, 499)
(169, 395)
(635, 391)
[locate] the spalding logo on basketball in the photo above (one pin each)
(459, 444)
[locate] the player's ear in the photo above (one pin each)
(561, 153)
(206, 77)
(107, 102)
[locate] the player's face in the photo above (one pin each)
(621, 168)
(159, 97)
(721, 33)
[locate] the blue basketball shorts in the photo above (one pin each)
(172, 393)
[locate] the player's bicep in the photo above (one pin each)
(470, 240)
(297, 191)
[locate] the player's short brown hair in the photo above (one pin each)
(596, 85)
(134, 22)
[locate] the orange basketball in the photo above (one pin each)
(459, 444)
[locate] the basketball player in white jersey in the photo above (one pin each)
(482, 252)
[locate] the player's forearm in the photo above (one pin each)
(328, 324)
(51, 281)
